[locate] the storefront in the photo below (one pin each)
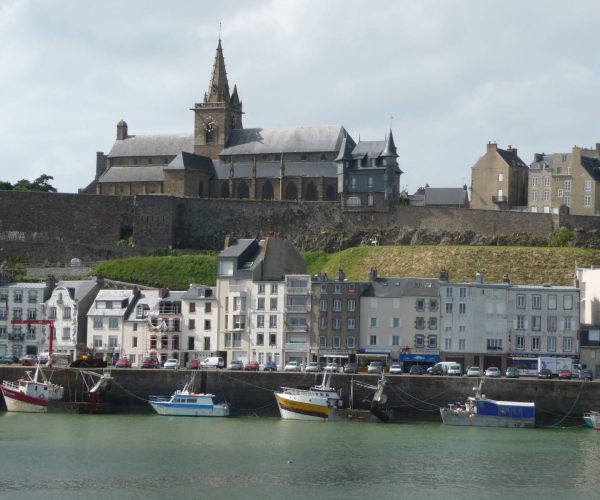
(426, 360)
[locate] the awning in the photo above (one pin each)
(420, 358)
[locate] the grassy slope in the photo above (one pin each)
(524, 265)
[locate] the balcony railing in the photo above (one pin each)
(297, 308)
(16, 336)
(499, 199)
(293, 290)
(297, 328)
(297, 346)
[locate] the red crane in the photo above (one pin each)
(49, 322)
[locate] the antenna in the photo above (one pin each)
(219, 30)
(391, 121)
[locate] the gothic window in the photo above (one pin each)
(267, 191)
(200, 189)
(225, 190)
(243, 191)
(330, 193)
(311, 192)
(291, 191)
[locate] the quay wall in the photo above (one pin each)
(251, 393)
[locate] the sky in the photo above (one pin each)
(446, 76)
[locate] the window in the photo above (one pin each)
(494, 344)
(237, 339)
(113, 323)
(31, 314)
(322, 341)
(395, 339)
(520, 322)
(433, 323)
(551, 343)
(191, 324)
(66, 333)
(260, 303)
(351, 304)
(322, 323)
(462, 292)
(17, 313)
(462, 328)
(260, 339)
(420, 323)
(351, 324)
(261, 288)
(536, 323)
(113, 341)
(567, 344)
(17, 296)
(372, 339)
(323, 287)
(551, 323)
(534, 196)
(207, 324)
(419, 341)
(551, 301)
(373, 322)
(500, 177)
(273, 304)
(449, 308)
(587, 185)
(226, 268)
(433, 305)
(32, 294)
(192, 307)
(535, 343)
(336, 323)
(536, 301)
(337, 288)
(207, 307)
(520, 301)
(395, 322)
(568, 323)
(567, 302)
(462, 344)
(272, 321)
(560, 193)
(448, 344)
(337, 305)
(448, 292)
(520, 342)
(567, 201)
(260, 321)
(336, 341)
(432, 342)
(351, 342)
(98, 341)
(546, 195)
(273, 288)
(239, 321)
(420, 305)
(547, 180)
(534, 180)
(323, 305)
(98, 322)
(587, 201)
(462, 308)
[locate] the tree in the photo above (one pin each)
(5, 186)
(40, 184)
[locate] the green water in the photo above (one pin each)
(148, 456)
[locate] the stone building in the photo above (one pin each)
(499, 180)
(221, 159)
(569, 179)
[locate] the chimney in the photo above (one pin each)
(122, 130)
(50, 282)
(512, 150)
(100, 280)
(479, 278)
(538, 157)
(506, 278)
(491, 147)
(373, 274)
(341, 276)
(444, 275)
(100, 164)
(163, 292)
(598, 148)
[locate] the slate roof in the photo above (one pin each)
(257, 141)
(271, 169)
(153, 145)
(371, 148)
(592, 167)
(197, 292)
(509, 157)
(445, 196)
(403, 287)
(78, 289)
(237, 247)
(146, 173)
(189, 161)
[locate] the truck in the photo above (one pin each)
(557, 364)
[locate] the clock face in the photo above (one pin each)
(209, 124)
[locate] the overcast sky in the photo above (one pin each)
(452, 74)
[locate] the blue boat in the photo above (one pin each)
(479, 411)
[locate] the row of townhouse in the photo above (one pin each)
(266, 308)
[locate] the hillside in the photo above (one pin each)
(524, 265)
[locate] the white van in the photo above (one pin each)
(213, 362)
(454, 369)
(441, 368)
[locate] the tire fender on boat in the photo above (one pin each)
(42, 396)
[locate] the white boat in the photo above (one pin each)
(317, 403)
(186, 403)
(31, 394)
(480, 411)
(592, 419)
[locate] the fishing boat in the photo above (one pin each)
(31, 394)
(479, 411)
(592, 419)
(186, 403)
(317, 403)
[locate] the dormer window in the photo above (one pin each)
(226, 268)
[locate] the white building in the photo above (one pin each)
(136, 327)
(67, 307)
(266, 321)
(199, 325)
(23, 326)
(164, 325)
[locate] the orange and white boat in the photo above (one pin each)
(317, 403)
(30, 394)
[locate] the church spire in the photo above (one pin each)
(218, 89)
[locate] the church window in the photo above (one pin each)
(243, 191)
(311, 192)
(291, 191)
(267, 191)
(330, 193)
(149, 161)
(225, 190)
(303, 157)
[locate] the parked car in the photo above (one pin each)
(512, 372)
(396, 369)
(292, 366)
(350, 368)
(545, 373)
(123, 363)
(313, 366)
(454, 370)
(171, 364)
(6, 360)
(375, 367)
(585, 374)
(251, 366)
(150, 362)
(473, 371)
(493, 371)
(332, 367)
(212, 362)
(29, 360)
(270, 366)
(194, 364)
(565, 374)
(236, 364)
(417, 370)
(436, 370)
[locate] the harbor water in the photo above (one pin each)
(66, 456)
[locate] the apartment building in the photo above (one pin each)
(199, 325)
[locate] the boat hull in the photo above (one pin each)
(181, 410)
(19, 402)
(592, 419)
(450, 417)
(299, 407)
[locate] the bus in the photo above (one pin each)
(528, 367)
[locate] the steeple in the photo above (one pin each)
(390, 147)
(218, 89)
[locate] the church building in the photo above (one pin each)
(222, 159)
